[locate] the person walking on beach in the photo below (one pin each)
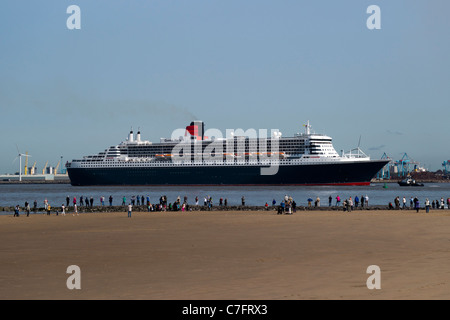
(130, 208)
(74, 201)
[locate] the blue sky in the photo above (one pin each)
(157, 65)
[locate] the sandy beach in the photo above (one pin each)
(226, 255)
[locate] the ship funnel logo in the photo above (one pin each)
(237, 147)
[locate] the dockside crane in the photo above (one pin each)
(33, 168)
(385, 172)
(25, 171)
(56, 168)
(45, 167)
(446, 165)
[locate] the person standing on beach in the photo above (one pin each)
(48, 209)
(416, 205)
(362, 201)
(196, 201)
(75, 210)
(74, 201)
(367, 200)
(35, 205)
(16, 211)
(404, 203)
(27, 208)
(330, 199)
(338, 200)
(243, 200)
(427, 205)
(110, 200)
(67, 201)
(124, 199)
(130, 208)
(356, 201)
(92, 201)
(63, 210)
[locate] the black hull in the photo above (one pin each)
(345, 173)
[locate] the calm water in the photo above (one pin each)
(11, 195)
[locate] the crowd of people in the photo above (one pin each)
(287, 205)
(414, 203)
(135, 200)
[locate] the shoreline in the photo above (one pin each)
(191, 208)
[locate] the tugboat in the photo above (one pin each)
(409, 182)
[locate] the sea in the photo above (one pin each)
(378, 193)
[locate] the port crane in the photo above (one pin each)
(33, 168)
(25, 171)
(385, 172)
(56, 168)
(45, 167)
(446, 165)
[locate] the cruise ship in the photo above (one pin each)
(240, 158)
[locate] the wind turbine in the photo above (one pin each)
(20, 155)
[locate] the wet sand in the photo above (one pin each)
(226, 255)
